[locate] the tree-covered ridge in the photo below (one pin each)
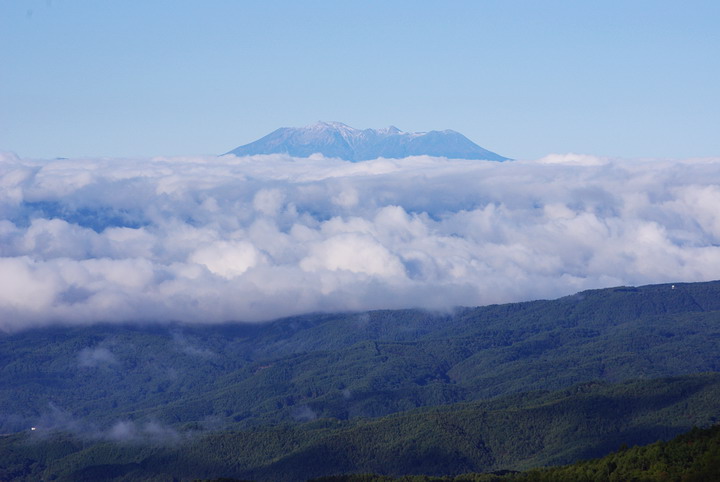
(694, 456)
(391, 392)
(513, 432)
(691, 457)
(354, 365)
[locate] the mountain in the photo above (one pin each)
(505, 434)
(380, 391)
(334, 139)
(353, 365)
(691, 456)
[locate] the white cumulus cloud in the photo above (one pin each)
(218, 239)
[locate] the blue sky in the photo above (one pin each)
(522, 78)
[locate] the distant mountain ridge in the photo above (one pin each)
(335, 139)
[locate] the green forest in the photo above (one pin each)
(396, 393)
(690, 457)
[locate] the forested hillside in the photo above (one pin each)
(499, 387)
(690, 457)
(350, 365)
(514, 432)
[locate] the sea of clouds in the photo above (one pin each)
(224, 238)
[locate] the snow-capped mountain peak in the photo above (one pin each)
(335, 139)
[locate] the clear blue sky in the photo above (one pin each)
(630, 78)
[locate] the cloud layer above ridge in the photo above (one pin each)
(220, 239)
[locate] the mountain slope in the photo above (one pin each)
(334, 139)
(518, 432)
(353, 365)
(691, 456)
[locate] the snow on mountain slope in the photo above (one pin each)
(335, 139)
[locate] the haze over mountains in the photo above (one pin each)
(335, 139)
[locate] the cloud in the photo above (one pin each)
(227, 259)
(94, 357)
(187, 347)
(571, 158)
(139, 433)
(54, 419)
(206, 240)
(304, 413)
